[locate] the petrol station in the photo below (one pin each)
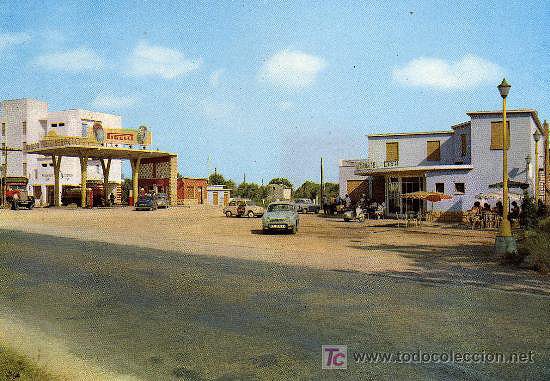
(102, 144)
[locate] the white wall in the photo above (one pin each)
(412, 149)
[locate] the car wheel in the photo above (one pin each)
(251, 214)
(294, 229)
(31, 206)
(228, 213)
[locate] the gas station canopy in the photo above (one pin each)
(99, 152)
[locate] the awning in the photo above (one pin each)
(511, 185)
(99, 152)
(410, 170)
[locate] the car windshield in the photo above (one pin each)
(280, 208)
(146, 198)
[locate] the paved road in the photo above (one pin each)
(160, 315)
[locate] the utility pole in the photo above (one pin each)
(322, 187)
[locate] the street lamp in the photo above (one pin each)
(505, 242)
(536, 137)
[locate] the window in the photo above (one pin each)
(24, 128)
(440, 187)
(3, 129)
(496, 135)
(433, 151)
(460, 188)
(54, 124)
(45, 165)
(463, 145)
(24, 169)
(392, 151)
(61, 124)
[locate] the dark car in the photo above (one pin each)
(162, 200)
(305, 205)
(147, 202)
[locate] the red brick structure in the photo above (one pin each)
(192, 190)
(159, 175)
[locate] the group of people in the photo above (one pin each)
(341, 204)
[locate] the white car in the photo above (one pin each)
(281, 215)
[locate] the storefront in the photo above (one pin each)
(399, 185)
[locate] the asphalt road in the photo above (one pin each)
(160, 315)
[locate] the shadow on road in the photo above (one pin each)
(467, 264)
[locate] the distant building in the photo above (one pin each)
(218, 195)
(461, 162)
(279, 192)
(192, 191)
(26, 121)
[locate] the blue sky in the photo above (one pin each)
(267, 88)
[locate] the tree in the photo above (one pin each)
(332, 190)
(281, 180)
(216, 179)
(308, 189)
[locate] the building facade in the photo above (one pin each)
(192, 191)
(218, 195)
(26, 121)
(462, 162)
(278, 192)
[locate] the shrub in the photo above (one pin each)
(535, 247)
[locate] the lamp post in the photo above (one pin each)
(536, 137)
(505, 242)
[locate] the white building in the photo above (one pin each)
(462, 162)
(26, 121)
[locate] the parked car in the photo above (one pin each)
(305, 205)
(240, 208)
(147, 202)
(19, 199)
(281, 215)
(162, 200)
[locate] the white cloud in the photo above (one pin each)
(286, 105)
(468, 72)
(80, 59)
(292, 69)
(215, 77)
(160, 61)
(11, 39)
(113, 102)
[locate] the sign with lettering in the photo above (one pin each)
(141, 136)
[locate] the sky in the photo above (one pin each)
(265, 89)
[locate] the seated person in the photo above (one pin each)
(514, 213)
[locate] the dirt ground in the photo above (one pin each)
(429, 253)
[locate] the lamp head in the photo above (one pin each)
(504, 88)
(536, 136)
(528, 160)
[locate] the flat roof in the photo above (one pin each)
(99, 152)
(531, 111)
(463, 124)
(389, 170)
(446, 132)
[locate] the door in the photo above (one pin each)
(49, 195)
(215, 195)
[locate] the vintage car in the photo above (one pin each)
(243, 207)
(305, 205)
(18, 198)
(281, 215)
(162, 200)
(147, 202)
